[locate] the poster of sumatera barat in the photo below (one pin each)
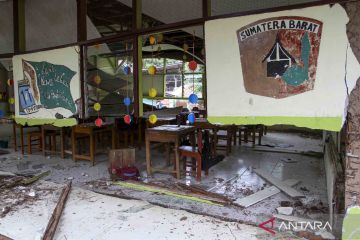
(279, 55)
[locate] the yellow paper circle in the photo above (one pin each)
(152, 118)
(0, 96)
(152, 92)
(9, 82)
(11, 100)
(185, 47)
(152, 40)
(97, 79)
(152, 70)
(97, 107)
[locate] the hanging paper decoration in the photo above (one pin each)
(152, 92)
(127, 70)
(127, 101)
(184, 57)
(152, 70)
(152, 40)
(98, 122)
(192, 65)
(1, 113)
(97, 79)
(185, 47)
(202, 51)
(193, 98)
(97, 107)
(127, 119)
(1, 96)
(10, 82)
(191, 118)
(11, 100)
(152, 118)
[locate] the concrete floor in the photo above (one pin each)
(309, 170)
(88, 215)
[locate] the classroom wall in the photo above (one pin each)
(315, 108)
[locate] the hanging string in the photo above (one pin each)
(193, 52)
(152, 77)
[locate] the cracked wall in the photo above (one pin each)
(352, 166)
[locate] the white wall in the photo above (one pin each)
(328, 99)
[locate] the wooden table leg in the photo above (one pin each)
(177, 159)
(62, 143)
(139, 136)
(73, 143)
(14, 135)
(254, 135)
(92, 148)
(43, 140)
(167, 151)
(22, 139)
(261, 133)
(148, 157)
(113, 138)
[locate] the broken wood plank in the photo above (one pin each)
(34, 178)
(178, 189)
(279, 184)
(198, 190)
(263, 194)
(55, 217)
(15, 181)
(143, 187)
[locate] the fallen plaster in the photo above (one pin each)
(88, 215)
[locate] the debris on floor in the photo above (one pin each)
(285, 210)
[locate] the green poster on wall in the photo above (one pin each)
(50, 84)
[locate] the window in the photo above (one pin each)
(109, 78)
(180, 81)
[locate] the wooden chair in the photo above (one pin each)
(49, 135)
(225, 133)
(195, 155)
(248, 133)
(36, 137)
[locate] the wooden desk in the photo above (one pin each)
(161, 121)
(90, 130)
(167, 134)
